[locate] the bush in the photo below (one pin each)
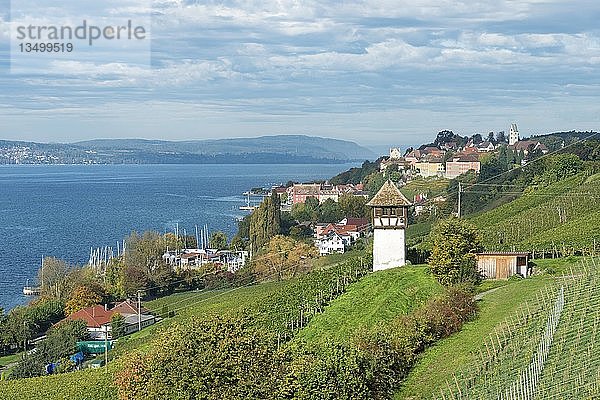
(214, 358)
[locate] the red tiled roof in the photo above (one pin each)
(128, 307)
(94, 317)
(357, 221)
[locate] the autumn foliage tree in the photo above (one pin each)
(284, 257)
(455, 242)
(82, 297)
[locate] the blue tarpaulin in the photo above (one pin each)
(77, 358)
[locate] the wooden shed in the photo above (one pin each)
(501, 265)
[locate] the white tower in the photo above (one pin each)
(513, 137)
(390, 218)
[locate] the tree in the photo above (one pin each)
(218, 240)
(265, 222)
(501, 137)
(225, 358)
(82, 297)
(330, 211)
(54, 278)
(114, 278)
(353, 206)
(117, 325)
(284, 257)
(60, 344)
(455, 242)
(374, 182)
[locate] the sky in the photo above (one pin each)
(378, 72)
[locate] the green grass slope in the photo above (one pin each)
(547, 349)
(378, 297)
(564, 215)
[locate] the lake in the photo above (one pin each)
(64, 210)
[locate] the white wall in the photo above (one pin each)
(389, 249)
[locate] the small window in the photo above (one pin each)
(392, 211)
(378, 212)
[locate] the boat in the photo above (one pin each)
(31, 290)
(247, 207)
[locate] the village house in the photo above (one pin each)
(335, 238)
(462, 163)
(330, 244)
(98, 319)
(395, 158)
(430, 166)
(502, 265)
(322, 191)
(529, 146)
(195, 258)
(486, 147)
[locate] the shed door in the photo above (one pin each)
(502, 268)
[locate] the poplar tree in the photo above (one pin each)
(265, 222)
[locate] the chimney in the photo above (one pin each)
(105, 307)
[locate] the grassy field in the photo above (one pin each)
(439, 362)
(378, 297)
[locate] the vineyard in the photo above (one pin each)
(545, 350)
(559, 220)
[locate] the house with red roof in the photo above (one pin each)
(97, 319)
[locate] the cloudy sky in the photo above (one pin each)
(378, 72)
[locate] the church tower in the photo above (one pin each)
(513, 136)
(390, 219)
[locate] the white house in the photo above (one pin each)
(331, 243)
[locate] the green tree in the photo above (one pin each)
(218, 240)
(225, 358)
(284, 257)
(374, 182)
(353, 206)
(330, 211)
(60, 343)
(265, 222)
(455, 242)
(117, 325)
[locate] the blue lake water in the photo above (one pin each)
(63, 210)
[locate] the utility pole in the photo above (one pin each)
(139, 294)
(459, 195)
(106, 346)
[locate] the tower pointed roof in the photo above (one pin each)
(389, 196)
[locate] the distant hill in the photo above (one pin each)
(261, 150)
